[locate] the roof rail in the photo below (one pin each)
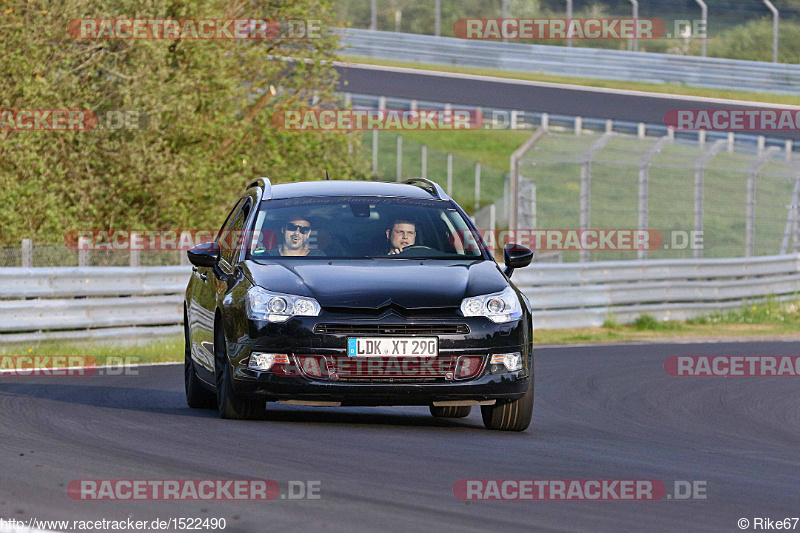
(266, 185)
(429, 185)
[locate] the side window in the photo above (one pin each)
(226, 226)
(231, 238)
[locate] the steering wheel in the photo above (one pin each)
(418, 250)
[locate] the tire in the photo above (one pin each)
(229, 404)
(197, 396)
(510, 416)
(451, 411)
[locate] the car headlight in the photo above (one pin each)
(276, 307)
(498, 307)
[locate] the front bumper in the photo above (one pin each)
(298, 338)
(509, 386)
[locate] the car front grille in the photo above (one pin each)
(392, 329)
(377, 369)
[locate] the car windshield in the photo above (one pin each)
(361, 228)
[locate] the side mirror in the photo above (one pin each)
(516, 256)
(204, 254)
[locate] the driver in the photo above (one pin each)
(401, 234)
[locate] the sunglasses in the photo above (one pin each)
(294, 227)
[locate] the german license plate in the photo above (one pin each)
(393, 346)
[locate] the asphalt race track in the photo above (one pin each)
(526, 96)
(603, 412)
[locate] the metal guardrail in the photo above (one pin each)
(716, 73)
(586, 294)
(69, 282)
(97, 302)
(91, 302)
(746, 143)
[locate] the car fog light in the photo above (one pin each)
(512, 361)
(264, 361)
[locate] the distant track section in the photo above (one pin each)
(523, 95)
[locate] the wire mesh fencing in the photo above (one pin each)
(618, 197)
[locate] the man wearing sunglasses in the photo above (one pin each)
(295, 238)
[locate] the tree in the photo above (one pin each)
(205, 106)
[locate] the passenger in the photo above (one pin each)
(295, 238)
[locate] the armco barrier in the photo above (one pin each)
(106, 302)
(712, 72)
(586, 294)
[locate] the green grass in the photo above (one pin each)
(770, 319)
(589, 82)
(491, 148)
(167, 349)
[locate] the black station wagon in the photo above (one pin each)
(357, 293)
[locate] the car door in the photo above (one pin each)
(203, 303)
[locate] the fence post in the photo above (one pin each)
(27, 253)
(449, 174)
(578, 125)
(83, 251)
(704, 18)
(762, 143)
(135, 253)
(701, 138)
(424, 161)
(775, 23)
(789, 148)
(437, 18)
(381, 103)
(399, 159)
(569, 16)
(506, 199)
(514, 117)
(478, 185)
(635, 4)
(373, 24)
(586, 186)
(545, 121)
(514, 175)
(609, 126)
(374, 151)
(750, 223)
(731, 142)
(492, 218)
(699, 188)
(792, 220)
(184, 257)
(641, 130)
(644, 183)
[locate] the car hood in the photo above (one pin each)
(373, 284)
